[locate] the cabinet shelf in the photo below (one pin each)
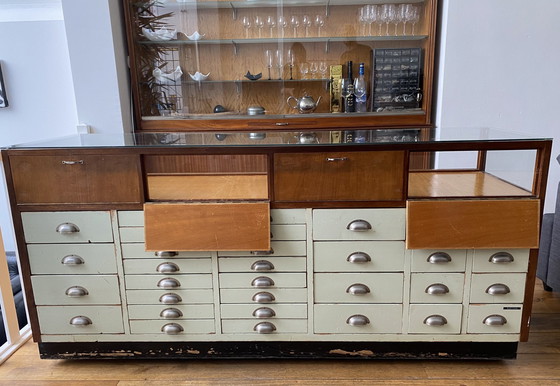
(274, 4)
(245, 82)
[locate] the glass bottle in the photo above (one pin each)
(360, 90)
(348, 91)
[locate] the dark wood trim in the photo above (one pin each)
(337, 204)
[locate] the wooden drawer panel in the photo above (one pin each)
(41, 227)
(436, 287)
(277, 248)
(339, 176)
(359, 256)
(277, 280)
(132, 234)
(215, 163)
(381, 287)
(287, 216)
(194, 326)
(99, 289)
(379, 318)
(162, 266)
(281, 311)
(256, 264)
(482, 282)
(130, 218)
(288, 232)
(439, 260)
(247, 326)
(502, 260)
(153, 311)
(478, 314)
(186, 296)
(183, 281)
(472, 224)
(278, 295)
(104, 320)
(332, 224)
(138, 251)
(450, 314)
(71, 259)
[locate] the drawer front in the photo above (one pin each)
(277, 248)
(250, 326)
(503, 260)
(165, 267)
(130, 218)
(263, 265)
(138, 251)
(169, 282)
(194, 326)
(436, 287)
(287, 216)
(435, 318)
(288, 232)
(171, 311)
(439, 260)
(497, 288)
(179, 296)
(358, 319)
(494, 319)
(73, 227)
(264, 296)
(71, 259)
(263, 280)
(359, 256)
(65, 320)
(271, 311)
(359, 288)
(132, 234)
(66, 289)
(358, 224)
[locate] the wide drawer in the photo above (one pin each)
(170, 282)
(164, 267)
(287, 216)
(436, 287)
(358, 224)
(173, 328)
(70, 259)
(272, 311)
(67, 227)
(271, 326)
(178, 296)
(358, 288)
(439, 260)
(288, 232)
(154, 311)
(66, 289)
(502, 260)
(435, 318)
(497, 288)
(359, 256)
(77, 320)
(263, 280)
(263, 296)
(358, 319)
(138, 251)
(264, 264)
(494, 319)
(277, 248)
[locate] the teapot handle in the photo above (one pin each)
(288, 102)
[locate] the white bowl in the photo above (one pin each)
(167, 77)
(159, 34)
(195, 36)
(198, 76)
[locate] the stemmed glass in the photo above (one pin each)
(401, 17)
(372, 16)
(304, 70)
(283, 23)
(279, 62)
(323, 69)
(294, 21)
(271, 23)
(246, 24)
(259, 23)
(268, 60)
(291, 61)
(362, 18)
(319, 23)
(386, 15)
(313, 69)
(306, 20)
(412, 15)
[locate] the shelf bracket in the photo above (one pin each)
(233, 11)
(235, 47)
(327, 46)
(328, 8)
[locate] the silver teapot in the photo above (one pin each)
(305, 104)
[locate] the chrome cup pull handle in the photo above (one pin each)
(358, 258)
(172, 329)
(262, 265)
(263, 297)
(264, 328)
(262, 281)
(67, 228)
(358, 320)
(168, 282)
(170, 298)
(494, 320)
(165, 253)
(80, 321)
(336, 159)
(501, 258)
(76, 292)
(358, 289)
(171, 313)
(359, 226)
(498, 289)
(435, 320)
(72, 260)
(78, 162)
(264, 312)
(437, 289)
(167, 268)
(439, 258)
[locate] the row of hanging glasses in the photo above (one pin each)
(292, 22)
(387, 14)
(275, 62)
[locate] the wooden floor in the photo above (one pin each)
(538, 363)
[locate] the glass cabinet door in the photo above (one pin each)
(265, 64)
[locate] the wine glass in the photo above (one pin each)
(259, 23)
(323, 67)
(412, 15)
(304, 70)
(363, 19)
(401, 16)
(283, 23)
(271, 23)
(279, 62)
(291, 61)
(395, 16)
(313, 69)
(306, 20)
(246, 24)
(319, 23)
(269, 58)
(387, 14)
(372, 16)
(294, 22)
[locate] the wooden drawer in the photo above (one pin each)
(484, 284)
(73, 227)
(502, 260)
(183, 296)
(357, 319)
(169, 282)
(472, 224)
(132, 234)
(262, 265)
(287, 216)
(66, 289)
(264, 296)
(248, 326)
(367, 287)
(263, 280)
(359, 256)
(207, 227)
(435, 318)
(206, 164)
(57, 320)
(130, 218)
(439, 260)
(153, 311)
(436, 287)
(167, 266)
(339, 176)
(137, 251)
(71, 259)
(194, 326)
(506, 319)
(277, 248)
(358, 224)
(272, 311)
(288, 232)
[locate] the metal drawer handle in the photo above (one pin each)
(281, 123)
(167, 268)
(262, 281)
(168, 282)
(171, 313)
(359, 258)
(437, 289)
(494, 320)
(79, 162)
(170, 299)
(439, 258)
(80, 321)
(501, 258)
(358, 320)
(263, 297)
(76, 292)
(67, 228)
(358, 289)
(263, 253)
(172, 329)
(262, 265)
(72, 260)
(359, 226)
(264, 328)
(165, 253)
(498, 289)
(435, 320)
(264, 312)
(336, 159)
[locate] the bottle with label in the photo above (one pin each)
(348, 91)
(360, 90)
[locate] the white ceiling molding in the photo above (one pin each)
(30, 10)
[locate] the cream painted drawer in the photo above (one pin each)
(165, 267)
(432, 260)
(73, 227)
(264, 296)
(154, 311)
(70, 259)
(263, 265)
(251, 326)
(138, 251)
(288, 232)
(358, 288)
(359, 256)
(278, 248)
(497, 288)
(494, 260)
(272, 311)
(435, 318)
(359, 224)
(66, 289)
(436, 287)
(132, 234)
(130, 218)
(494, 319)
(174, 328)
(263, 280)
(287, 216)
(178, 296)
(70, 320)
(169, 282)
(358, 319)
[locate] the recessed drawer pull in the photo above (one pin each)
(501, 258)
(281, 123)
(262, 281)
(264, 312)
(72, 260)
(358, 289)
(494, 320)
(76, 292)
(359, 258)
(437, 289)
(79, 162)
(171, 313)
(80, 321)
(435, 320)
(359, 226)
(336, 159)
(262, 265)
(439, 258)
(170, 299)
(168, 282)
(165, 253)
(263, 297)
(67, 228)
(264, 328)
(498, 289)
(167, 268)
(358, 320)
(172, 329)
(263, 253)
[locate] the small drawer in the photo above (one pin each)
(434, 260)
(288, 232)
(168, 282)
(138, 251)
(264, 296)
(173, 328)
(166, 267)
(264, 264)
(497, 288)
(171, 311)
(287, 216)
(357, 319)
(359, 288)
(66, 289)
(436, 287)
(359, 256)
(132, 234)
(435, 318)
(75, 320)
(270, 311)
(71, 259)
(494, 319)
(130, 218)
(263, 280)
(277, 248)
(506, 260)
(358, 224)
(264, 326)
(67, 227)
(170, 297)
